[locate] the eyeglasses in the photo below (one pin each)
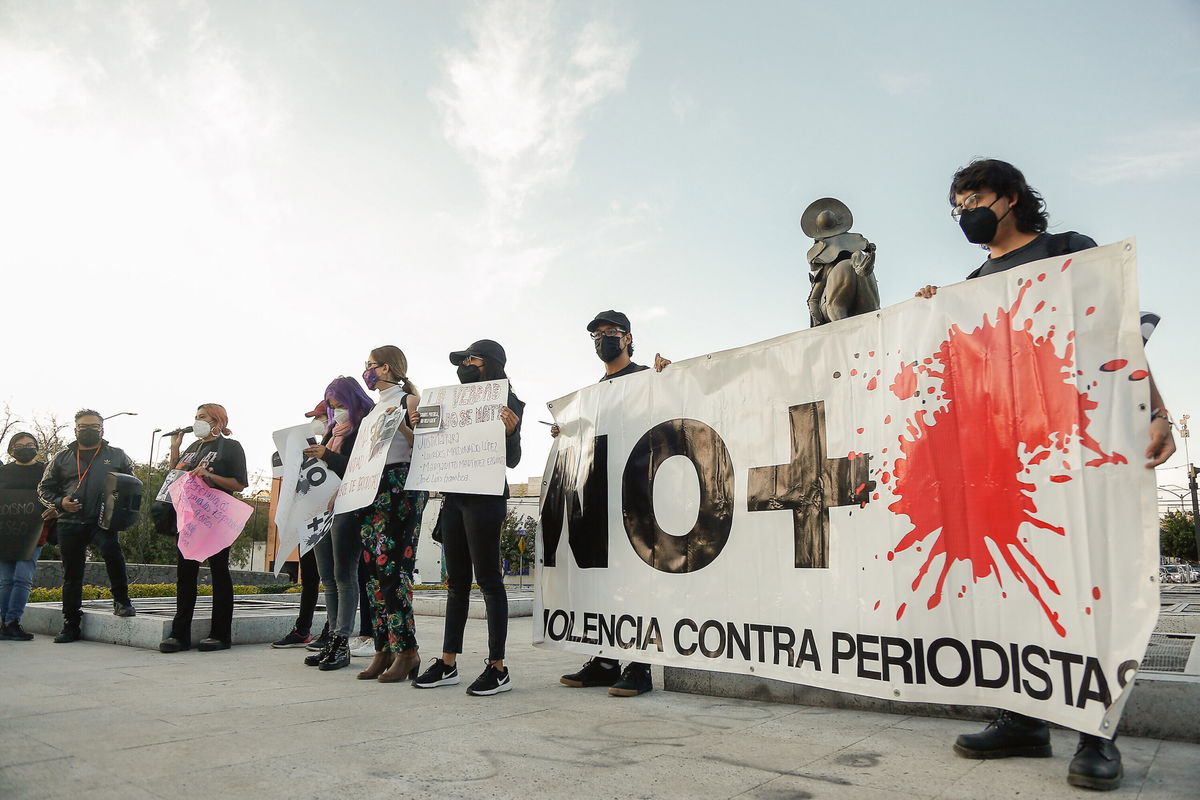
(89, 427)
(969, 204)
(598, 335)
(372, 365)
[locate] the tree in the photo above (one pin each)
(8, 422)
(1177, 535)
(510, 536)
(48, 431)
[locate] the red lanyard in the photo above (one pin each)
(85, 472)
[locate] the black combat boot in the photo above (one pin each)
(1096, 765)
(1010, 734)
(339, 654)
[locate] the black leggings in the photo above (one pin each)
(73, 541)
(471, 541)
(185, 597)
(310, 587)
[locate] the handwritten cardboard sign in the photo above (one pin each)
(466, 453)
(20, 524)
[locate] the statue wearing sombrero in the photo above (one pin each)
(841, 264)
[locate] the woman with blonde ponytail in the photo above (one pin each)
(390, 528)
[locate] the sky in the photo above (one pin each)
(234, 202)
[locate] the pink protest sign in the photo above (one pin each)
(208, 520)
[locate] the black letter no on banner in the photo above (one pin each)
(700, 546)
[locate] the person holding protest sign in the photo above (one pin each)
(339, 552)
(390, 527)
(310, 579)
(613, 339)
(73, 486)
(221, 463)
(996, 208)
(470, 526)
(16, 577)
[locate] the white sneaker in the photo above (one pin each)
(362, 646)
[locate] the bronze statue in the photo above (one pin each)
(841, 264)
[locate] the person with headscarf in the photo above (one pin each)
(470, 525)
(390, 528)
(16, 577)
(339, 552)
(221, 463)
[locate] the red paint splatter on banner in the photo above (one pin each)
(1088, 610)
(1114, 365)
(1007, 398)
(877, 602)
(1139, 375)
(1095, 592)
(900, 610)
(871, 384)
(1091, 310)
(905, 382)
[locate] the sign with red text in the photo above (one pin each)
(942, 501)
(465, 453)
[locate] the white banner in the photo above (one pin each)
(306, 488)
(360, 485)
(944, 501)
(459, 444)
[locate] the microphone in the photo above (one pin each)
(188, 429)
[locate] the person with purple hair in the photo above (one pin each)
(339, 553)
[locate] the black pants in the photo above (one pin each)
(188, 572)
(73, 541)
(471, 540)
(365, 628)
(310, 587)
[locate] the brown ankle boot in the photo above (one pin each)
(404, 667)
(379, 663)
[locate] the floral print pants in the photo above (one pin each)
(390, 530)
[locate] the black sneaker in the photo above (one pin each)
(321, 642)
(14, 633)
(1097, 764)
(635, 680)
(293, 639)
(438, 674)
(596, 672)
(124, 609)
(339, 655)
(490, 681)
(1009, 734)
(69, 633)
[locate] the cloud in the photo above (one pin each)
(513, 106)
(899, 84)
(1148, 155)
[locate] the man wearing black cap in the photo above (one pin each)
(470, 525)
(611, 334)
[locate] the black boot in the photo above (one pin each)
(1096, 765)
(316, 659)
(1010, 734)
(339, 654)
(70, 633)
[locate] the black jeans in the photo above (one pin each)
(188, 572)
(310, 588)
(471, 540)
(73, 541)
(365, 626)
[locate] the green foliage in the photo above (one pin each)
(40, 595)
(1177, 535)
(510, 536)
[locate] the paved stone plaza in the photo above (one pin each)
(89, 721)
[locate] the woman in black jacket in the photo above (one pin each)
(470, 525)
(339, 553)
(16, 577)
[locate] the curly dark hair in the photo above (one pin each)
(1004, 179)
(87, 412)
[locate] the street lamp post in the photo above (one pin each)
(1184, 433)
(153, 439)
(121, 414)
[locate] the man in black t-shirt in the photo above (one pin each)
(611, 335)
(997, 209)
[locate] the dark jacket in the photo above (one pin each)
(512, 442)
(61, 480)
(338, 461)
(21, 476)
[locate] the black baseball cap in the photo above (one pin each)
(612, 318)
(489, 351)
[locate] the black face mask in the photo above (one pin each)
(469, 373)
(979, 225)
(609, 347)
(24, 455)
(88, 438)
